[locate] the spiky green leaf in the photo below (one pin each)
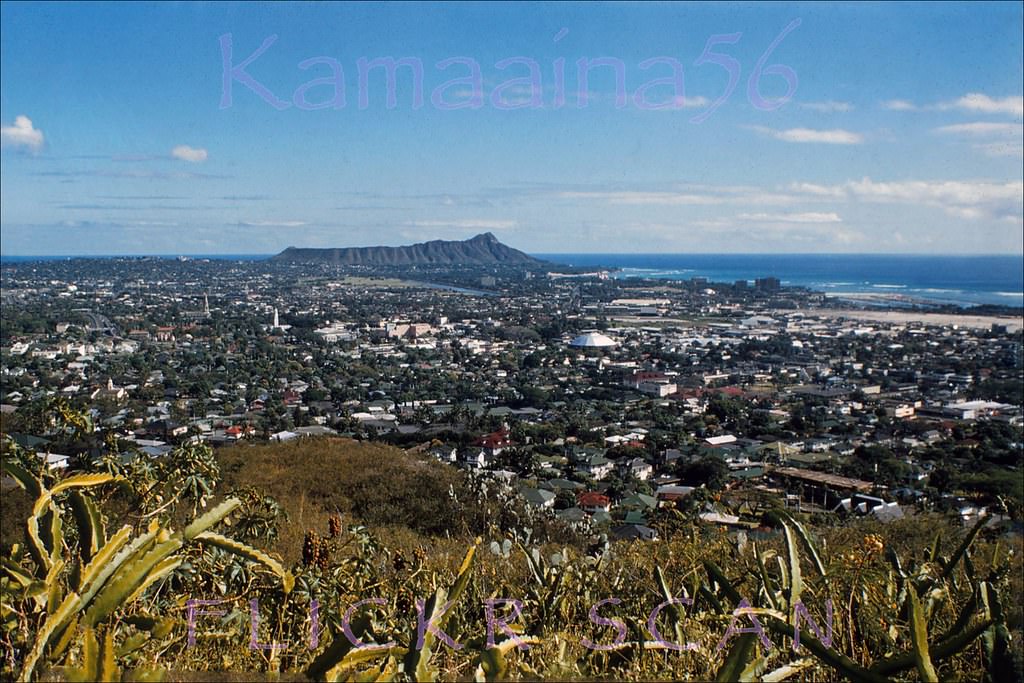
(249, 553)
(58, 620)
(796, 583)
(91, 534)
(25, 479)
(211, 518)
(736, 661)
(719, 577)
(838, 661)
(919, 640)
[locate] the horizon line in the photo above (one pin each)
(544, 253)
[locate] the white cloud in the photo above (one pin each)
(989, 105)
(465, 223)
(272, 224)
(1004, 139)
(193, 155)
(827, 107)
(645, 198)
(756, 228)
(805, 217)
(973, 102)
(899, 105)
(965, 199)
(1002, 149)
(22, 134)
(818, 190)
(687, 194)
(984, 128)
(830, 137)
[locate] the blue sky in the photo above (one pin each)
(903, 132)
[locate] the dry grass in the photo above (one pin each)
(370, 484)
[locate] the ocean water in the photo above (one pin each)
(960, 280)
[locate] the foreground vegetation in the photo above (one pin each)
(103, 568)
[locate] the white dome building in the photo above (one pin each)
(592, 340)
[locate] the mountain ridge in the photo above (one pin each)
(484, 248)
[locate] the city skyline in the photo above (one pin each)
(139, 130)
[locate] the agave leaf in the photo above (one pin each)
(105, 562)
(58, 620)
(934, 555)
(919, 640)
(719, 577)
(211, 517)
(249, 553)
(53, 534)
(54, 587)
(894, 560)
(39, 547)
(90, 669)
(534, 561)
(133, 643)
(385, 672)
(491, 664)
(336, 651)
(711, 599)
(990, 601)
(676, 610)
(417, 659)
(24, 478)
(64, 640)
(753, 671)
(784, 672)
(968, 570)
(128, 579)
(161, 570)
(16, 572)
(462, 580)
(996, 639)
(108, 669)
(964, 618)
(833, 658)
(37, 591)
(356, 657)
(91, 534)
(83, 481)
(47, 538)
(796, 584)
(940, 651)
(102, 570)
(766, 582)
(961, 549)
(809, 545)
(783, 572)
(736, 661)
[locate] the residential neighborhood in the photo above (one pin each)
(604, 400)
